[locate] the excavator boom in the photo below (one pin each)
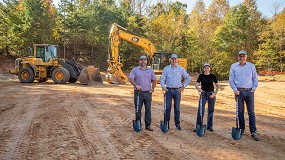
(117, 33)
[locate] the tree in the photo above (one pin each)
(271, 53)
(240, 31)
(196, 26)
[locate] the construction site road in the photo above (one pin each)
(73, 121)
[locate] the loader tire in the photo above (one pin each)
(26, 75)
(60, 75)
(72, 80)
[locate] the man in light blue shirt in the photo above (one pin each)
(171, 84)
(244, 81)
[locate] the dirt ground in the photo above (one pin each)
(73, 121)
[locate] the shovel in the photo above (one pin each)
(164, 125)
(137, 122)
(200, 128)
(236, 132)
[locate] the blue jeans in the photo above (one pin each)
(176, 96)
(211, 106)
(144, 98)
(247, 97)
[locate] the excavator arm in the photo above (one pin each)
(118, 33)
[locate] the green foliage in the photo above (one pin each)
(239, 32)
(271, 53)
(81, 28)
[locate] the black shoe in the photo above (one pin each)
(178, 128)
(194, 130)
(210, 129)
(254, 136)
(149, 128)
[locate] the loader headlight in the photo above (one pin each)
(16, 63)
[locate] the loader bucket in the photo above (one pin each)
(89, 75)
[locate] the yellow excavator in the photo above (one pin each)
(158, 60)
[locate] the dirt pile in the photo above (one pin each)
(6, 63)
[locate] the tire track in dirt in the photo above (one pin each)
(79, 122)
(156, 141)
(110, 126)
(103, 145)
(78, 118)
(225, 135)
(25, 111)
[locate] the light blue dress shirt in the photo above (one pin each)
(173, 76)
(243, 76)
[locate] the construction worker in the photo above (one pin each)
(244, 81)
(172, 86)
(144, 81)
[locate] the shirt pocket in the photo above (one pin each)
(237, 74)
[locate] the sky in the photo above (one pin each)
(265, 6)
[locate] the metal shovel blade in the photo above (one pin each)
(163, 127)
(200, 130)
(236, 133)
(137, 125)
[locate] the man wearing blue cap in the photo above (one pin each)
(244, 81)
(171, 84)
(144, 80)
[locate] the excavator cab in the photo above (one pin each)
(159, 61)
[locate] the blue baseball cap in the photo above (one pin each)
(242, 52)
(143, 57)
(173, 56)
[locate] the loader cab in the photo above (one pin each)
(46, 52)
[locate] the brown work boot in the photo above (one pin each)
(149, 128)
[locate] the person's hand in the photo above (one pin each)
(213, 95)
(200, 91)
(151, 90)
(237, 93)
(163, 89)
(181, 89)
(138, 87)
(252, 91)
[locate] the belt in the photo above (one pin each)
(244, 89)
(141, 91)
(172, 88)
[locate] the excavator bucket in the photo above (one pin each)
(114, 79)
(89, 75)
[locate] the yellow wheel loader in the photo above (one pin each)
(43, 63)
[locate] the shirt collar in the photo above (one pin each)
(141, 67)
(173, 67)
(244, 64)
